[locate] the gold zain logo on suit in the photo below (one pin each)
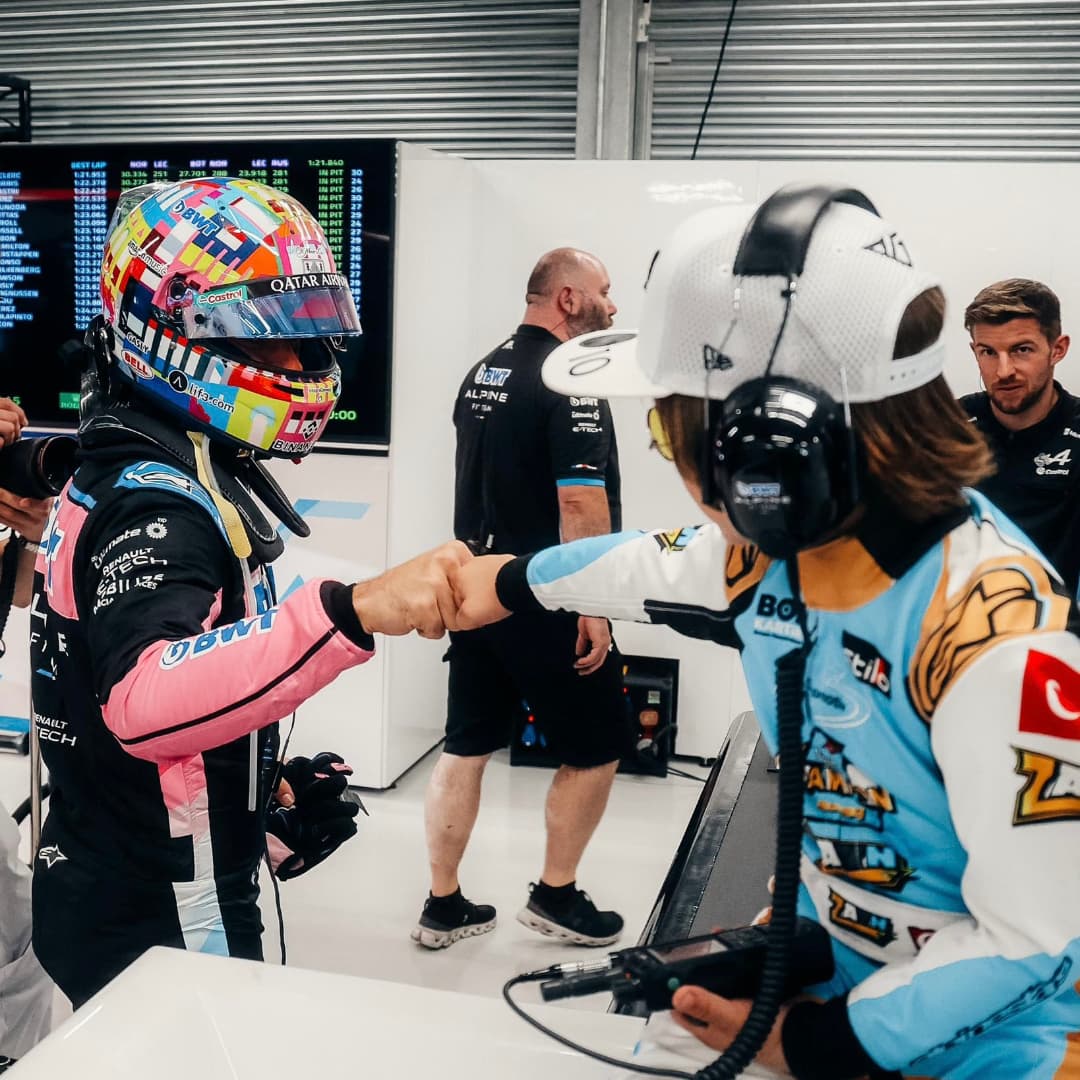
(1039, 799)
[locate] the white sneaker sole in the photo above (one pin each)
(442, 939)
(528, 917)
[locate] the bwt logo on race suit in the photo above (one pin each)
(491, 376)
(176, 652)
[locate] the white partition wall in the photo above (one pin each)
(370, 512)
(344, 498)
(433, 283)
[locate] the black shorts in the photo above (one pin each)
(529, 659)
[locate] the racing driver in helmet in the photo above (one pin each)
(162, 661)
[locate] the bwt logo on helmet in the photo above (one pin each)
(205, 225)
(491, 376)
(308, 281)
(176, 652)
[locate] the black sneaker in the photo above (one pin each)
(575, 921)
(446, 919)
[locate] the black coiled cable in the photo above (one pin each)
(790, 701)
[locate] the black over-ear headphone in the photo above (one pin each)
(96, 384)
(780, 456)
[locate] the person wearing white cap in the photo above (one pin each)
(793, 352)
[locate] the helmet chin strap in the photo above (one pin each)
(263, 486)
(234, 527)
(266, 489)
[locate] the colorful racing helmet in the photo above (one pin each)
(198, 278)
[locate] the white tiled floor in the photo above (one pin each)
(353, 914)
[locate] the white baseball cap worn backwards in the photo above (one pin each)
(704, 330)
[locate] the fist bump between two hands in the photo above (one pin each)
(447, 588)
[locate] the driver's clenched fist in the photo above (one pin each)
(417, 595)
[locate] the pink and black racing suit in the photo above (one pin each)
(161, 666)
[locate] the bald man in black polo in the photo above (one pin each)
(532, 468)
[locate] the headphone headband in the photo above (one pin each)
(778, 236)
(779, 456)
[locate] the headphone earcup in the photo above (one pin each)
(778, 455)
(96, 382)
(784, 464)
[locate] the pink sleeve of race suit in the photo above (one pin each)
(187, 696)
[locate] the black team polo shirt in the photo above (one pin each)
(518, 442)
(1037, 482)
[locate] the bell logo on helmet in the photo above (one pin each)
(138, 365)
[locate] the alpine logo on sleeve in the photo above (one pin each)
(1050, 698)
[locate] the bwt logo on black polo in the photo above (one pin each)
(867, 664)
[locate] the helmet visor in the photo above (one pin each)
(299, 306)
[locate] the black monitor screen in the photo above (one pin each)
(56, 202)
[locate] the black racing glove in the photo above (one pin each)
(300, 836)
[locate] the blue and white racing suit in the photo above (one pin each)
(941, 847)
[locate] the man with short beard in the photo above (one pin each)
(1030, 420)
(532, 468)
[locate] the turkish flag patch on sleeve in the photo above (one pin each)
(1050, 699)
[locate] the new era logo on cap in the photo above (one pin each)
(1050, 698)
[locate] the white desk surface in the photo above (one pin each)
(176, 1015)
